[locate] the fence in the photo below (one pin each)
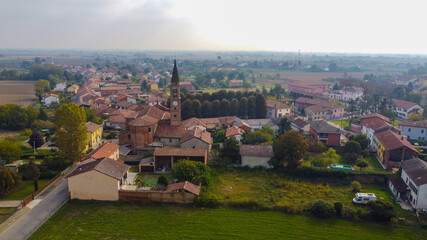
(156, 196)
(31, 197)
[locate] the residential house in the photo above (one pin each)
(50, 98)
(335, 111)
(257, 124)
(235, 83)
(165, 158)
(301, 126)
(98, 180)
(317, 112)
(414, 130)
(404, 108)
(414, 174)
(393, 148)
(60, 87)
(234, 131)
(73, 89)
(105, 150)
(94, 134)
(197, 138)
(256, 155)
(307, 89)
(326, 133)
(346, 94)
(277, 109)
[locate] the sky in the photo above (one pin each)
(348, 26)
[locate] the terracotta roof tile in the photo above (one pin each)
(403, 104)
(234, 130)
(256, 150)
(187, 186)
(92, 127)
(105, 150)
(391, 140)
(276, 104)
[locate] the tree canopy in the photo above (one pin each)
(289, 149)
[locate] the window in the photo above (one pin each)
(409, 130)
(128, 136)
(422, 130)
(149, 130)
(170, 140)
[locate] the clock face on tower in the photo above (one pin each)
(175, 103)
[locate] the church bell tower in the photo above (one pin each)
(175, 98)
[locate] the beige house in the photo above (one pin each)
(256, 155)
(98, 180)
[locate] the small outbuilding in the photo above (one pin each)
(256, 155)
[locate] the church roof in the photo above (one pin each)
(175, 77)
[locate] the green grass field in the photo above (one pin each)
(25, 189)
(100, 220)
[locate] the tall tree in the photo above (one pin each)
(261, 107)
(9, 180)
(41, 87)
(10, 150)
(71, 134)
(234, 107)
(251, 107)
(187, 109)
(284, 126)
(230, 151)
(216, 108)
(33, 172)
(243, 107)
(225, 107)
(289, 149)
(206, 109)
(197, 107)
(36, 139)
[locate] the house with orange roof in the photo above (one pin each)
(234, 131)
(393, 149)
(50, 98)
(277, 109)
(106, 150)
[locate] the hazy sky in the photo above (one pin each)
(371, 26)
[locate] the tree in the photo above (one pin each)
(197, 107)
(356, 186)
(225, 107)
(163, 179)
(36, 139)
(362, 139)
(415, 117)
(216, 108)
(42, 114)
(9, 180)
(262, 136)
(41, 87)
(10, 150)
(352, 146)
(284, 126)
(234, 107)
(206, 110)
(33, 172)
(230, 150)
(91, 116)
(414, 97)
(362, 163)
(252, 107)
(261, 107)
(289, 149)
(243, 107)
(194, 172)
(338, 208)
(187, 109)
(219, 136)
(71, 134)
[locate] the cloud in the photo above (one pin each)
(95, 24)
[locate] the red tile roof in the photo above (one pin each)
(183, 152)
(143, 121)
(403, 104)
(105, 150)
(375, 115)
(391, 140)
(192, 122)
(234, 130)
(165, 130)
(92, 127)
(187, 186)
(276, 104)
(197, 133)
(106, 166)
(256, 150)
(420, 124)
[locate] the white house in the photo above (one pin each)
(98, 180)
(414, 174)
(277, 109)
(414, 130)
(347, 94)
(60, 87)
(50, 98)
(404, 108)
(256, 155)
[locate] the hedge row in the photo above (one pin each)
(38, 156)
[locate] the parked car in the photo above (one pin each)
(364, 198)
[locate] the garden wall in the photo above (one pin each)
(156, 196)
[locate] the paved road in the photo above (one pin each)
(56, 195)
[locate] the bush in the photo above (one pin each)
(207, 200)
(316, 147)
(381, 211)
(322, 209)
(194, 172)
(352, 147)
(356, 186)
(348, 213)
(111, 135)
(9, 179)
(133, 169)
(366, 153)
(338, 208)
(320, 161)
(362, 163)
(148, 154)
(163, 179)
(351, 158)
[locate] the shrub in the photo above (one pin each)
(322, 209)
(111, 135)
(320, 161)
(194, 172)
(27, 132)
(163, 179)
(133, 169)
(352, 147)
(381, 211)
(350, 158)
(331, 153)
(362, 163)
(207, 200)
(338, 208)
(366, 153)
(316, 147)
(9, 180)
(356, 186)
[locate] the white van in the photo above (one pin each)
(364, 198)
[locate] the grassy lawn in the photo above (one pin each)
(5, 213)
(100, 220)
(26, 188)
(342, 123)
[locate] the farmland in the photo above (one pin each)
(17, 92)
(119, 220)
